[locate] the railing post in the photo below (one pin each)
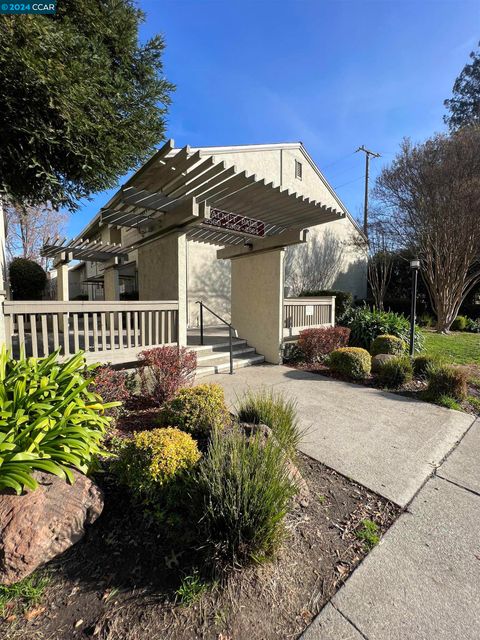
(231, 347)
(201, 323)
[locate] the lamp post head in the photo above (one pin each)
(415, 264)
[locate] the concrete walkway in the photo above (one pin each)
(386, 442)
(422, 582)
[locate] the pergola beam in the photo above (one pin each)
(259, 245)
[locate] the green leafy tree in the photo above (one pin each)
(82, 101)
(464, 105)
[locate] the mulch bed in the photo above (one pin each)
(119, 582)
(413, 389)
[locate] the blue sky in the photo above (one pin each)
(334, 74)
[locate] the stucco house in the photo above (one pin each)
(243, 229)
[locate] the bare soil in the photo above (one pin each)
(120, 581)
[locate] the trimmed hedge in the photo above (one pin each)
(447, 380)
(395, 372)
(197, 410)
(316, 344)
(388, 344)
(352, 362)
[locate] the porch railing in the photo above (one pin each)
(107, 331)
(307, 313)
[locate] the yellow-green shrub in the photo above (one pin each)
(387, 343)
(352, 362)
(152, 459)
(197, 410)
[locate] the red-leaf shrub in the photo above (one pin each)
(316, 344)
(164, 370)
(111, 385)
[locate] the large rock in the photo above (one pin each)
(303, 492)
(379, 360)
(39, 525)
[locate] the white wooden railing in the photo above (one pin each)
(107, 331)
(307, 313)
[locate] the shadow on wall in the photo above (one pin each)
(325, 262)
(212, 285)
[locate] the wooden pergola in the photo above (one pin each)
(216, 203)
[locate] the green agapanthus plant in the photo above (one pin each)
(49, 419)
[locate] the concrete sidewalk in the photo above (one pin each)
(422, 582)
(386, 442)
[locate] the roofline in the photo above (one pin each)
(288, 145)
(250, 147)
(332, 191)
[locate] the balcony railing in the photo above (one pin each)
(107, 331)
(307, 313)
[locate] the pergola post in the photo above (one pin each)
(257, 301)
(162, 274)
(111, 283)
(61, 266)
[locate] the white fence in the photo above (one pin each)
(307, 313)
(107, 331)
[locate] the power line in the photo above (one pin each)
(330, 164)
(349, 182)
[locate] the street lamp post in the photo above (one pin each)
(414, 266)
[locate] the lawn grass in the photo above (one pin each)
(456, 347)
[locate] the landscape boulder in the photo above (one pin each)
(39, 525)
(381, 359)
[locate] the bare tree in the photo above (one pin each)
(27, 228)
(380, 249)
(431, 195)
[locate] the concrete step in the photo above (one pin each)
(217, 357)
(219, 346)
(224, 366)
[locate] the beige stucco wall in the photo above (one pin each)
(209, 281)
(331, 259)
(162, 274)
(257, 301)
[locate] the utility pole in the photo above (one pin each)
(368, 154)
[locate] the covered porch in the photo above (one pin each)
(179, 198)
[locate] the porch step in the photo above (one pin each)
(215, 358)
(224, 366)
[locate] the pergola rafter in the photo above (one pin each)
(80, 249)
(174, 176)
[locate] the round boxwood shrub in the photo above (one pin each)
(352, 362)
(447, 380)
(459, 324)
(152, 459)
(387, 344)
(197, 410)
(422, 364)
(27, 279)
(395, 372)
